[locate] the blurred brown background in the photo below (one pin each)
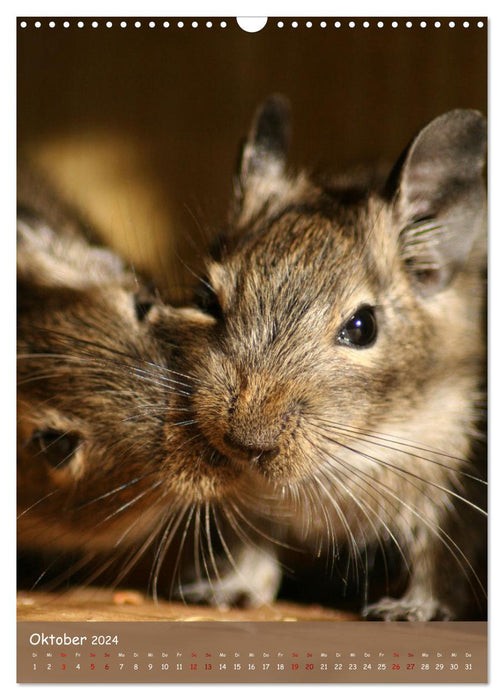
(140, 126)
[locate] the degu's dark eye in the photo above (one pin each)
(57, 447)
(207, 300)
(361, 329)
(144, 301)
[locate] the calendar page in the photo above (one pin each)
(251, 260)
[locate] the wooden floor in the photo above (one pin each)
(101, 605)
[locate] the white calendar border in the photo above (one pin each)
(259, 8)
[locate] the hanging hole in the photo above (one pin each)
(252, 24)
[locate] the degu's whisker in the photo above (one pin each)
(151, 509)
(233, 505)
(364, 506)
(36, 503)
(67, 574)
(367, 511)
(77, 342)
(355, 476)
(138, 553)
(150, 371)
(232, 561)
(166, 540)
(170, 385)
(154, 410)
(208, 534)
(440, 534)
(390, 439)
(196, 545)
(352, 542)
(113, 491)
(177, 562)
(404, 472)
(128, 504)
(446, 540)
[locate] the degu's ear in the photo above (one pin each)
(48, 258)
(262, 158)
(440, 197)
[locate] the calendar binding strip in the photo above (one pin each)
(280, 23)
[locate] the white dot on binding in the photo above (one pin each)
(351, 25)
(437, 24)
(66, 24)
(23, 25)
(180, 25)
(380, 25)
(223, 25)
(109, 24)
(138, 25)
(80, 24)
(481, 25)
(294, 25)
(94, 24)
(409, 24)
(365, 25)
(209, 25)
(466, 24)
(52, 24)
(194, 25)
(152, 25)
(124, 24)
(309, 25)
(166, 24)
(37, 25)
(423, 24)
(451, 25)
(323, 25)
(337, 25)
(395, 25)
(280, 24)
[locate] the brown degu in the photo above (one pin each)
(97, 373)
(339, 391)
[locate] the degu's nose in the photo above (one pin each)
(251, 448)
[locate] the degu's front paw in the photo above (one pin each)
(410, 608)
(252, 582)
